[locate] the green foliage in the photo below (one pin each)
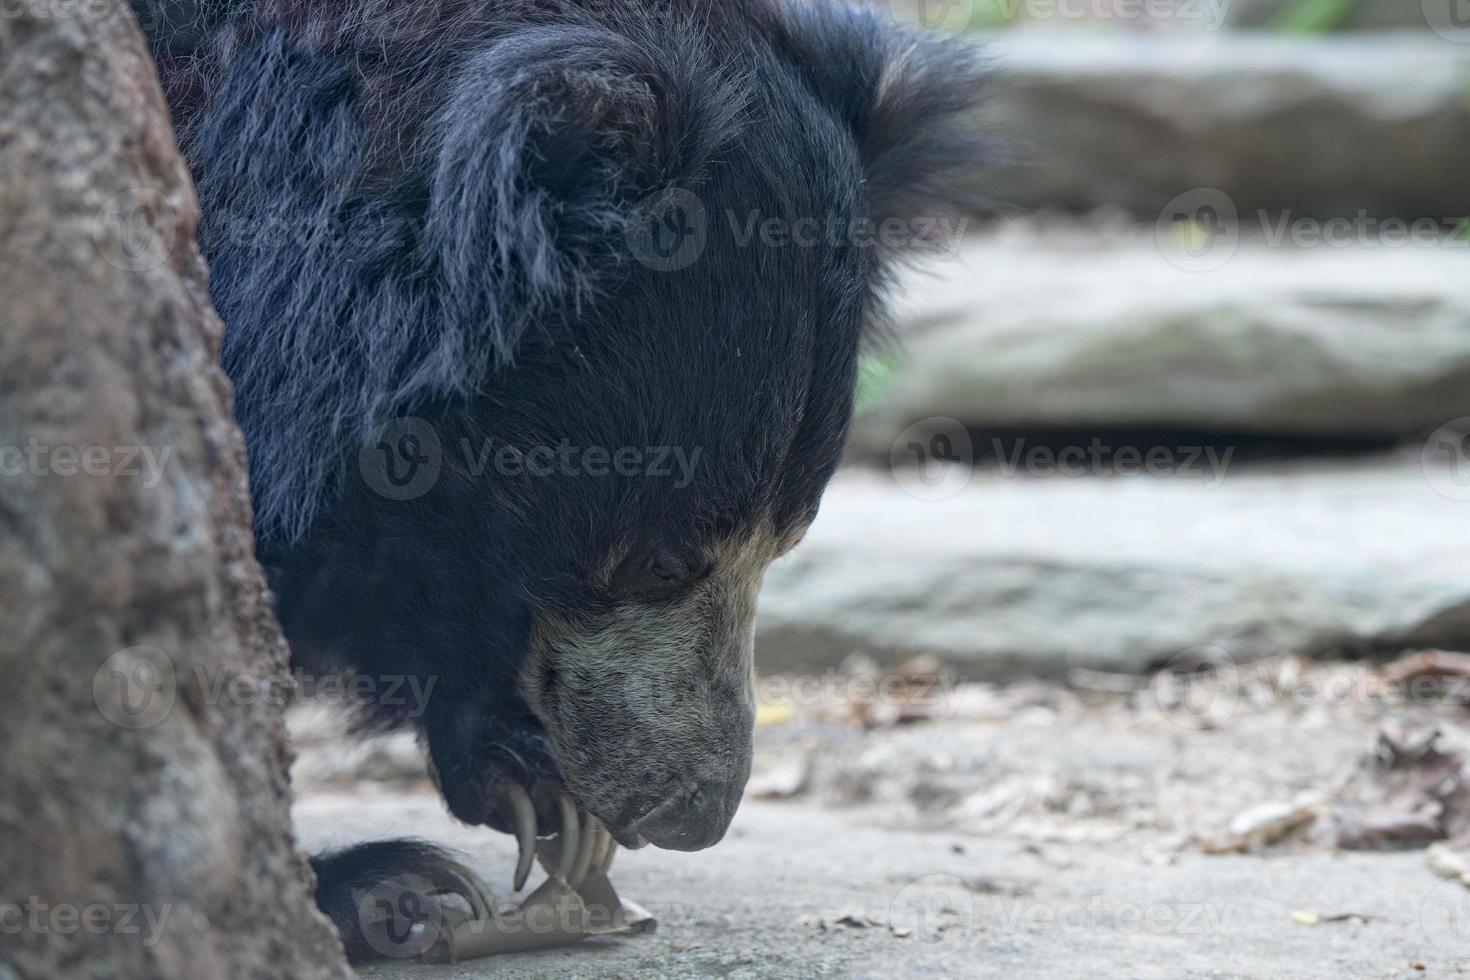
(1192, 237)
(1314, 16)
(993, 13)
(876, 374)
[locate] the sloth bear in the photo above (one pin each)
(544, 321)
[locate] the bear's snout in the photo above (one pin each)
(694, 818)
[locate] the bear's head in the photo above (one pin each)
(653, 244)
(679, 233)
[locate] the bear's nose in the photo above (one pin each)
(694, 818)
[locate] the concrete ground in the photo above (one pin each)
(1030, 832)
(767, 902)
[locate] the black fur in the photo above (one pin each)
(419, 207)
(356, 886)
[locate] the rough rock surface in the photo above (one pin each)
(1117, 327)
(144, 814)
(1323, 126)
(1022, 574)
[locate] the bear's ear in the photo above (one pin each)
(549, 136)
(911, 99)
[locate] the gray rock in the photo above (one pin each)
(1177, 15)
(1018, 574)
(1322, 126)
(1362, 15)
(1087, 330)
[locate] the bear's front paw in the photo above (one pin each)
(505, 777)
(582, 843)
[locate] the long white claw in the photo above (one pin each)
(453, 878)
(523, 819)
(590, 840)
(604, 858)
(570, 837)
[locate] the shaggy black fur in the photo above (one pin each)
(422, 207)
(375, 893)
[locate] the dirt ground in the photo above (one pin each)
(1111, 827)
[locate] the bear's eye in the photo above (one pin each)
(660, 571)
(668, 568)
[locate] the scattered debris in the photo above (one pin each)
(1448, 861)
(1268, 823)
(1010, 888)
(773, 712)
(852, 921)
(1303, 918)
(1412, 788)
(783, 779)
(1426, 663)
(912, 691)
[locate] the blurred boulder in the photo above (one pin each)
(1321, 126)
(1015, 575)
(1290, 16)
(1358, 15)
(1098, 329)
